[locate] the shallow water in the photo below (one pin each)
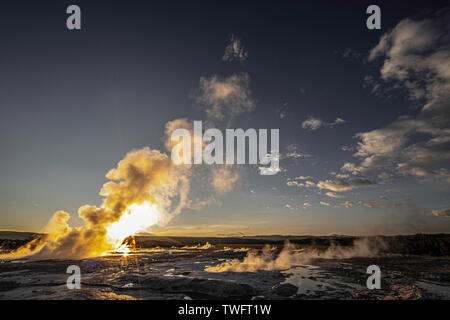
(312, 280)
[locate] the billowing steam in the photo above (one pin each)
(268, 259)
(139, 193)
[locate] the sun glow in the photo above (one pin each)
(137, 217)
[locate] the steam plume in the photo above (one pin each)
(290, 257)
(144, 175)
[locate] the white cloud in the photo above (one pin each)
(349, 167)
(315, 123)
(312, 123)
(293, 151)
(425, 173)
(296, 182)
(440, 213)
(350, 53)
(333, 195)
(366, 204)
(224, 178)
(235, 50)
(309, 184)
(416, 58)
(225, 98)
(337, 121)
(335, 185)
(302, 178)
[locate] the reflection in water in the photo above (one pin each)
(311, 280)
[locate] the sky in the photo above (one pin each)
(364, 115)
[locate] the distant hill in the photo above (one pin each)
(168, 241)
(418, 244)
(17, 235)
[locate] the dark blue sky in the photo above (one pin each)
(73, 103)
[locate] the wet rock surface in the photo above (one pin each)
(180, 274)
(8, 285)
(285, 289)
(199, 286)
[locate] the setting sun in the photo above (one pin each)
(137, 217)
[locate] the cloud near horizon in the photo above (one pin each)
(341, 185)
(223, 98)
(440, 213)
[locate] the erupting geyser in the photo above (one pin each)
(137, 217)
(139, 194)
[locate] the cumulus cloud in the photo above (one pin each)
(415, 58)
(349, 167)
(347, 148)
(300, 182)
(327, 204)
(388, 206)
(333, 195)
(312, 123)
(142, 176)
(348, 204)
(294, 183)
(182, 123)
(315, 123)
(341, 185)
(293, 151)
(369, 204)
(225, 98)
(224, 178)
(235, 50)
(366, 204)
(309, 184)
(337, 185)
(425, 173)
(440, 213)
(351, 53)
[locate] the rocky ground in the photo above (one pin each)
(179, 274)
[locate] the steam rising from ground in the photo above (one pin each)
(289, 256)
(143, 176)
(207, 245)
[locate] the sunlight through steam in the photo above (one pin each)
(136, 218)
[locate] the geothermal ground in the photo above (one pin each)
(180, 274)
